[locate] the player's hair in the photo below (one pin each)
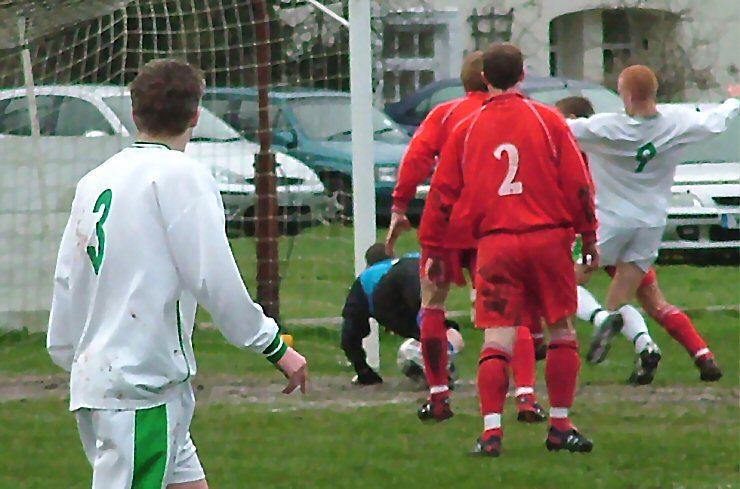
(376, 253)
(470, 74)
(165, 96)
(577, 106)
(640, 81)
(503, 65)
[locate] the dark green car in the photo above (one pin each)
(315, 127)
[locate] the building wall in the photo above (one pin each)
(710, 34)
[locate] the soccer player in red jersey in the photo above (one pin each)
(514, 171)
(418, 163)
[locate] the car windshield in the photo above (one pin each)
(209, 129)
(603, 100)
(723, 148)
(330, 119)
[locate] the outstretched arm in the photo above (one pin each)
(702, 125)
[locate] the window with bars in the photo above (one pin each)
(410, 58)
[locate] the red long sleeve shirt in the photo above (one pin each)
(426, 144)
(512, 168)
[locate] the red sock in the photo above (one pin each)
(680, 327)
(522, 361)
(561, 373)
(493, 384)
(434, 348)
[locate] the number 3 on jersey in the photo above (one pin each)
(509, 186)
(96, 253)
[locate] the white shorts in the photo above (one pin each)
(142, 448)
(629, 245)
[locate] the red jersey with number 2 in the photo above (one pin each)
(511, 168)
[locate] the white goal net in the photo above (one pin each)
(64, 108)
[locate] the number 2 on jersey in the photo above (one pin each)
(645, 153)
(509, 186)
(96, 253)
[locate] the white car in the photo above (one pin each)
(96, 111)
(705, 208)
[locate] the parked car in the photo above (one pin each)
(413, 108)
(705, 208)
(95, 111)
(315, 126)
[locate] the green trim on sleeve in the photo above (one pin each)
(276, 350)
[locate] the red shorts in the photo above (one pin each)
(455, 261)
(649, 279)
(522, 273)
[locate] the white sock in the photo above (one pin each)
(701, 353)
(600, 317)
(522, 391)
(587, 304)
(558, 412)
(438, 389)
(492, 421)
(635, 328)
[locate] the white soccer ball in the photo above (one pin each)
(411, 362)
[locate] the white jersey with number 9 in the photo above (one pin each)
(633, 160)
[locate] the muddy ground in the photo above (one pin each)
(337, 392)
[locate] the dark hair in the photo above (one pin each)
(576, 106)
(165, 96)
(470, 74)
(503, 65)
(376, 253)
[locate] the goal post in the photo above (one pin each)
(363, 159)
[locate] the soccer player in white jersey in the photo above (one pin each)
(675, 321)
(633, 158)
(144, 244)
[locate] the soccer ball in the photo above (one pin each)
(411, 362)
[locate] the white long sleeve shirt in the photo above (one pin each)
(144, 244)
(633, 160)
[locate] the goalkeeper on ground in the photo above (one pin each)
(389, 291)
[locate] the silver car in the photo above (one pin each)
(97, 111)
(705, 208)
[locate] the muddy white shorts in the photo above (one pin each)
(629, 245)
(141, 449)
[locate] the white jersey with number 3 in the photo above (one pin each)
(145, 240)
(633, 160)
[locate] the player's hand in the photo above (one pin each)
(590, 257)
(734, 90)
(399, 225)
(434, 269)
(295, 369)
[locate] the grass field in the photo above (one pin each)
(677, 433)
